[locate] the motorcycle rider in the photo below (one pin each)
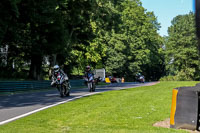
(88, 73)
(140, 77)
(57, 70)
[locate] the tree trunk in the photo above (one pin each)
(53, 60)
(36, 67)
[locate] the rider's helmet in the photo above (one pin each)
(56, 68)
(87, 68)
(138, 74)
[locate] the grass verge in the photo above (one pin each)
(125, 111)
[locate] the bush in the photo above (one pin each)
(181, 76)
(169, 78)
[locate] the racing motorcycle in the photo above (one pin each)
(90, 82)
(62, 85)
(141, 79)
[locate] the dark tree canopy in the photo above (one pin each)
(118, 35)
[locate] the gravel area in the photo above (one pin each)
(166, 124)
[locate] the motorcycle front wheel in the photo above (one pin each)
(89, 86)
(62, 91)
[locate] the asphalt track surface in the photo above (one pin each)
(16, 106)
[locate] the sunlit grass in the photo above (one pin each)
(124, 111)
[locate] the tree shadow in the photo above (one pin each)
(46, 98)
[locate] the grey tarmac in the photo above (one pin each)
(16, 106)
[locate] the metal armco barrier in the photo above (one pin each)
(14, 86)
(185, 111)
(77, 83)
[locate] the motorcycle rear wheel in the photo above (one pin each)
(67, 92)
(93, 87)
(67, 88)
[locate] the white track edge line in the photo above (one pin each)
(43, 108)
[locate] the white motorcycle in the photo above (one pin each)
(62, 86)
(141, 79)
(90, 83)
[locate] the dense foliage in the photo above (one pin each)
(118, 35)
(182, 62)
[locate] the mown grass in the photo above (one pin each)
(125, 111)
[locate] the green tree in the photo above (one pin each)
(118, 35)
(9, 13)
(181, 48)
(141, 50)
(43, 22)
(91, 49)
